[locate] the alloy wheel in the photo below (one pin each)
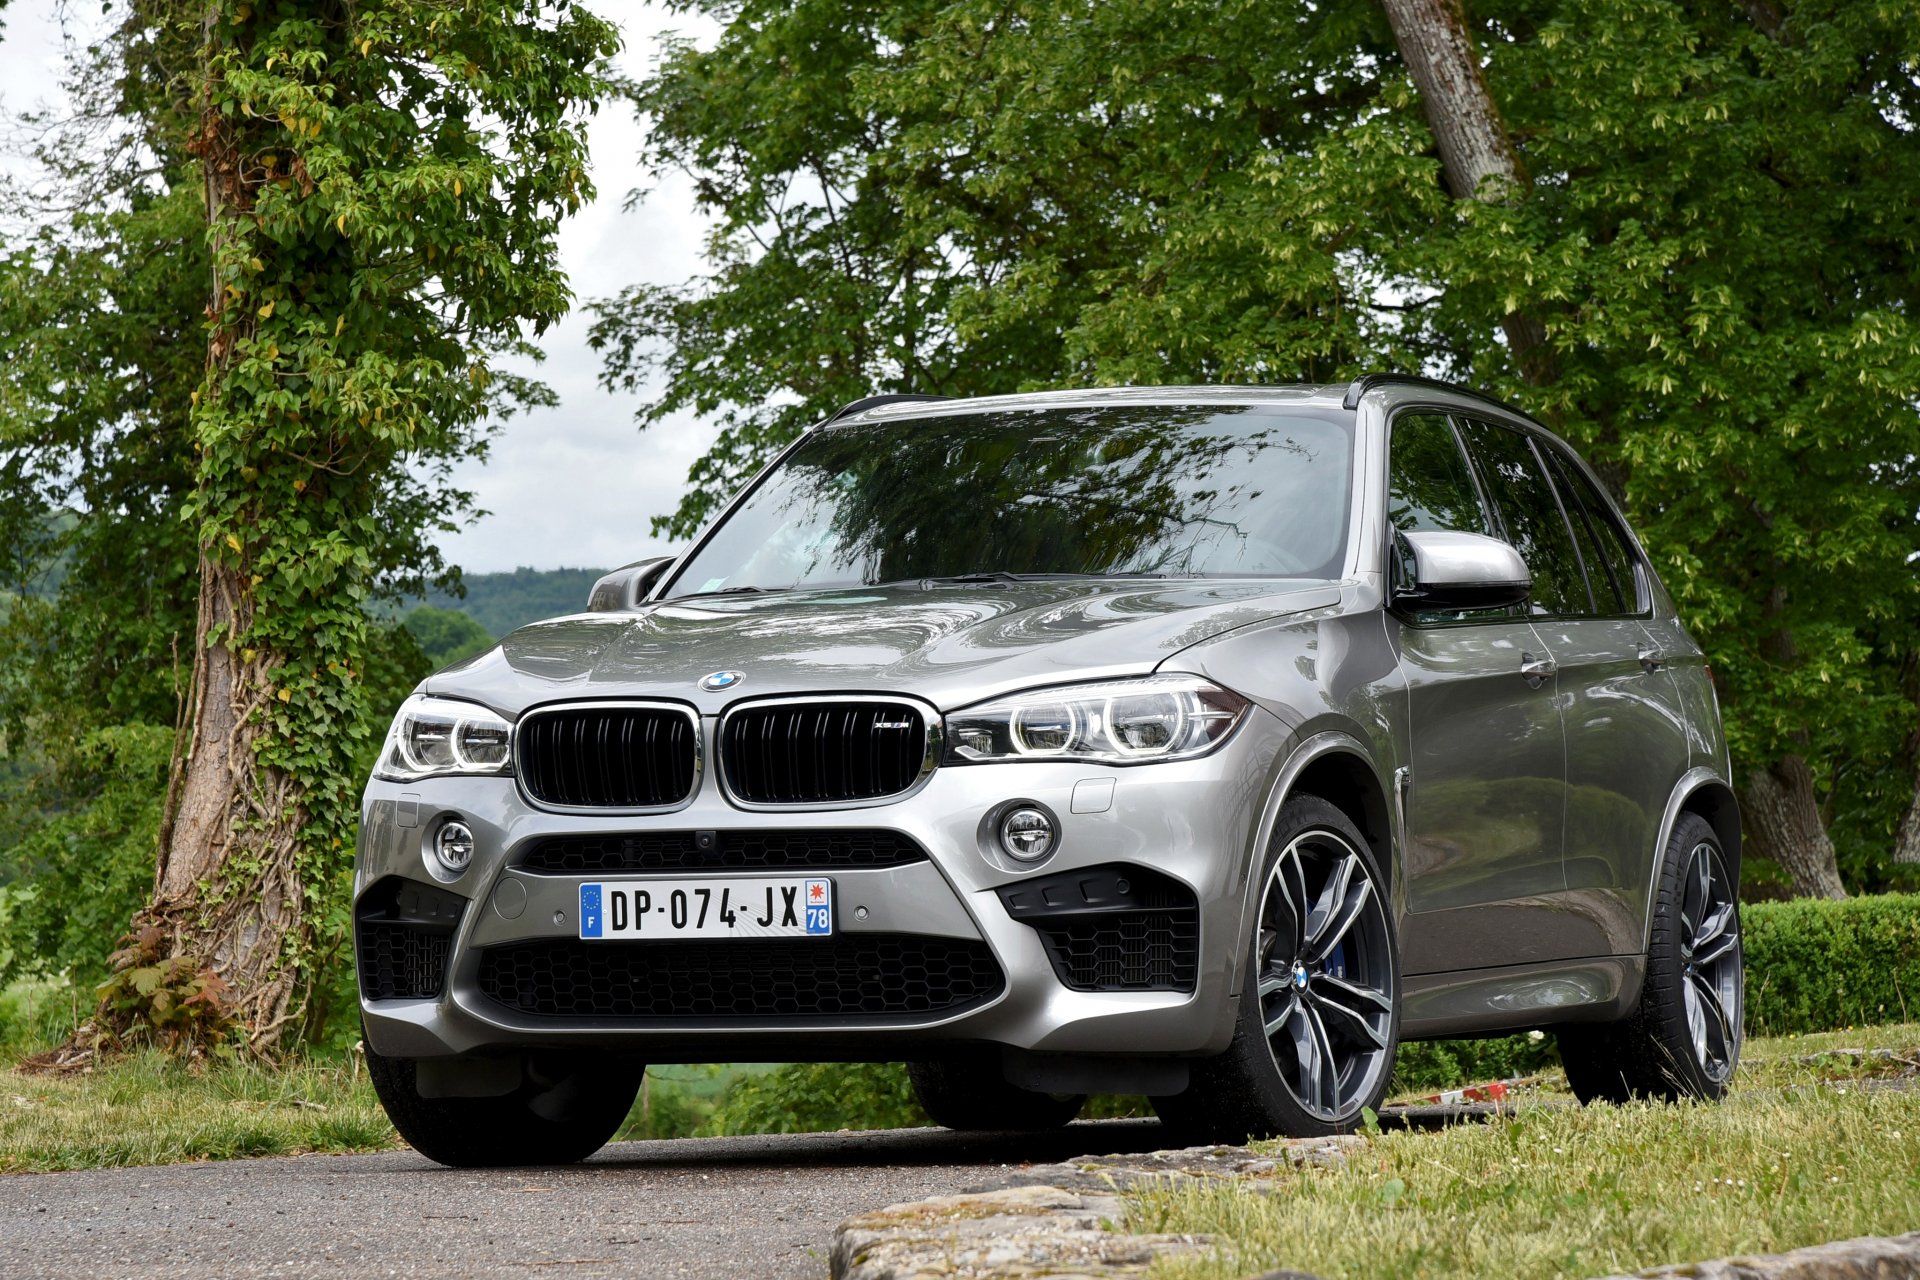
(1325, 970)
(1712, 975)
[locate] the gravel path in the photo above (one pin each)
(732, 1207)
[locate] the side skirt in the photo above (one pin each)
(1477, 1002)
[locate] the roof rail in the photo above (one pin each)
(865, 403)
(1368, 381)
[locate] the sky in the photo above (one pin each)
(574, 486)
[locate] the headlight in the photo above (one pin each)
(433, 736)
(1118, 721)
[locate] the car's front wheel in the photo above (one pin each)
(563, 1111)
(1319, 1007)
(1684, 1037)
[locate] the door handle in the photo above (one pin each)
(1536, 671)
(1651, 659)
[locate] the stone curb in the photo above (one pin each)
(1067, 1221)
(1867, 1258)
(1063, 1221)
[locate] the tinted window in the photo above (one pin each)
(1530, 516)
(1610, 558)
(1209, 490)
(1429, 485)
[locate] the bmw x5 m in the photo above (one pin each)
(1202, 743)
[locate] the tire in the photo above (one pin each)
(1322, 978)
(968, 1093)
(1683, 1039)
(555, 1117)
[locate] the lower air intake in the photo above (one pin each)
(851, 977)
(403, 934)
(1113, 928)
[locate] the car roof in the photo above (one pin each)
(1395, 389)
(1318, 394)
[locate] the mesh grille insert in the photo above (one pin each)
(606, 757)
(1113, 928)
(851, 976)
(403, 933)
(721, 850)
(822, 752)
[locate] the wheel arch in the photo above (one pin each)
(1707, 794)
(1339, 768)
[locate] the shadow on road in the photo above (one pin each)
(917, 1147)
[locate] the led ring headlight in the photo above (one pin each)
(432, 737)
(1152, 718)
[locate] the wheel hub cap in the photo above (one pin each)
(1299, 976)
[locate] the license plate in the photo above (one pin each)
(662, 909)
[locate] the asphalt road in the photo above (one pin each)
(696, 1207)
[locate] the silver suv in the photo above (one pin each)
(1201, 743)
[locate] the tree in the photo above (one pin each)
(380, 185)
(1714, 249)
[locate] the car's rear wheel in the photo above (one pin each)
(1319, 1008)
(1683, 1040)
(563, 1111)
(969, 1093)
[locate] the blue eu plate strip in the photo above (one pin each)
(590, 919)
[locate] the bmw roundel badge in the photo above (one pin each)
(721, 680)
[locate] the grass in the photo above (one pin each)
(1810, 1147)
(150, 1109)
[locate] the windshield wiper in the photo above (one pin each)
(1007, 576)
(719, 591)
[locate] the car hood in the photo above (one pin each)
(951, 645)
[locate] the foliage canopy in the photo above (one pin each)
(1720, 240)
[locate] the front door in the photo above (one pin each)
(1486, 793)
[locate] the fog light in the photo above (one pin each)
(1027, 832)
(453, 847)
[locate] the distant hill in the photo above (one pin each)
(502, 602)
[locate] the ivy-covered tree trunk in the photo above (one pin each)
(1476, 151)
(227, 894)
(383, 186)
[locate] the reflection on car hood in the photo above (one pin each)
(951, 645)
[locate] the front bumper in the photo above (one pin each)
(1194, 821)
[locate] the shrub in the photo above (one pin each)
(1815, 965)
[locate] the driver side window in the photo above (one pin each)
(1431, 487)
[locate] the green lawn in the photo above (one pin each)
(1802, 1152)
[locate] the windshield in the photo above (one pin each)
(1196, 491)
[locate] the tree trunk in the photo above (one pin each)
(1906, 845)
(1782, 820)
(227, 892)
(1476, 151)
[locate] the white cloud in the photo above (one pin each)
(576, 485)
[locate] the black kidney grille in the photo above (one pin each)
(852, 976)
(822, 752)
(606, 757)
(723, 850)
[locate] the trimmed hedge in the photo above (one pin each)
(1812, 965)
(1815, 965)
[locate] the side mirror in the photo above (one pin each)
(626, 586)
(1448, 571)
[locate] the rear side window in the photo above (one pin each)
(1429, 485)
(1609, 556)
(1530, 515)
